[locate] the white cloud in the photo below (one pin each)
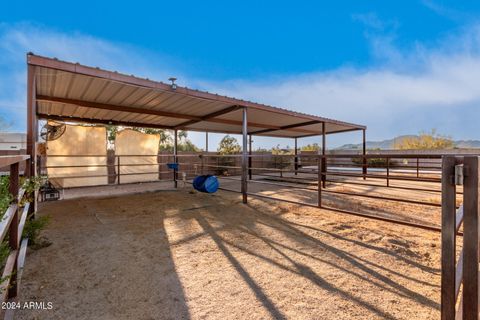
(447, 12)
(16, 40)
(415, 90)
(409, 91)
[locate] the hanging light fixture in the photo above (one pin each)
(173, 85)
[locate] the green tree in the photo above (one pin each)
(279, 157)
(166, 137)
(229, 145)
(310, 147)
(425, 141)
(111, 132)
(279, 151)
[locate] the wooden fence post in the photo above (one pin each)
(470, 238)
(448, 239)
(13, 229)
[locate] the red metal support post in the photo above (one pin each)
(244, 155)
(175, 158)
(364, 153)
(250, 157)
(324, 159)
(206, 141)
(296, 157)
(32, 132)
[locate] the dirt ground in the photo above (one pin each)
(417, 213)
(176, 255)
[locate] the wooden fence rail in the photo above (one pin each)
(12, 224)
(460, 287)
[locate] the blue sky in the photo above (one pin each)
(399, 67)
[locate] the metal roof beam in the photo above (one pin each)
(290, 126)
(210, 116)
(102, 121)
(333, 132)
(111, 107)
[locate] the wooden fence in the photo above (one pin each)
(460, 287)
(11, 226)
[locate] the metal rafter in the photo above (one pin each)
(290, 126)
(210, 116)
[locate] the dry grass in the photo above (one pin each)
(175, 255)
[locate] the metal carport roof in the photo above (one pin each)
(74, 92)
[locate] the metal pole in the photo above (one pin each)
(244, 155)
(388, 172)
(418, 168)
(32, 132)
(324, 159)
(296, 157)
(206, 141)
(319, 185)
(175, 160)
(118, 169)
(206, 152)
(364, 153)
(250, 157)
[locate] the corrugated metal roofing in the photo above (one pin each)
(73, 92)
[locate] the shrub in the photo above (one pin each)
(30, 186)
(372, 162)
(32, 231)
(425, 141)
(228, 146)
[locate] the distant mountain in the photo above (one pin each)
(467, 144)
(389, 143)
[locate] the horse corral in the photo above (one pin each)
(311, 235)
(196, 256)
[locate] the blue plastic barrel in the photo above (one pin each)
(173, 166)
(206, 183)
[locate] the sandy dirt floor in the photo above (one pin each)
(176, 255)
(417, 213)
